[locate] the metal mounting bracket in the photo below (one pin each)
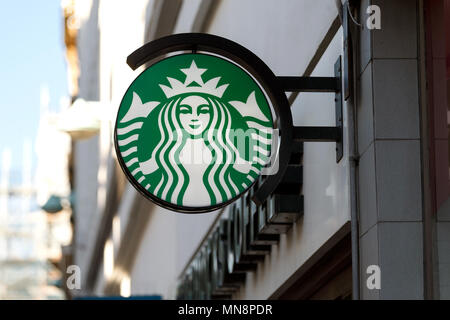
(320, 84)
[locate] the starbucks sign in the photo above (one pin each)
(194, 131)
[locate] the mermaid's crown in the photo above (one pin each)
(193, 74)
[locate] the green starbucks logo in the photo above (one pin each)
(194, 131)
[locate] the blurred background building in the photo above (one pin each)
(35, 215)
(35, 191)
(393, 181)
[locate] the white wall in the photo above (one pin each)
(154, 269)
(325, 190)
(284, 34)
(287, 45)
(86, 156)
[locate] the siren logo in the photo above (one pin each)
(194, 131)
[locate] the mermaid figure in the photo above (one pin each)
(198, 156)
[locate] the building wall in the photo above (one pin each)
(170, 240)
(103, 77)
(437, 49)
(85, 152)
(152, 247)
(390, 184)
(287, 52)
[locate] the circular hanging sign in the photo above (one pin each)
(193, 132)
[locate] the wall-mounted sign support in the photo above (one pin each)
(319, 84)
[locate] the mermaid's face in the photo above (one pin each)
(194, 114)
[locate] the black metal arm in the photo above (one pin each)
(310, 84)
(319, 84)
(317, 134)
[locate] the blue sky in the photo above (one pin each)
(31, 56)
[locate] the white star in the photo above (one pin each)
(193, 74)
